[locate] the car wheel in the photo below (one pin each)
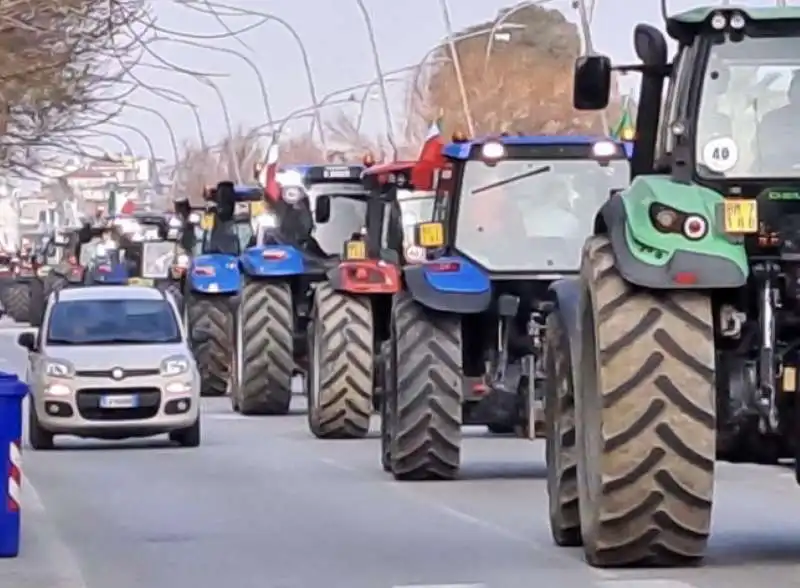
(39, 438)
(188, 437)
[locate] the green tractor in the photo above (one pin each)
(679, 343)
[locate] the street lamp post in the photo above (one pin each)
(457, 39)
(181, 99)
(462, 88)
(261, 83)
(167, 124)
(500, 22)
(379, 74)
(228, 124)
(312, 88)
(588, 49)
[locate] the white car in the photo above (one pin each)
(111, 362)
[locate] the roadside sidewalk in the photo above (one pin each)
(44, 560)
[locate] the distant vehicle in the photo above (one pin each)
(111, 362)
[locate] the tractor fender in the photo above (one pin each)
(224, 276)
(272, 261)
(706, 271)
(465, 290)
(566, 293)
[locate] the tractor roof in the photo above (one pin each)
(462, 150)
(686, 23)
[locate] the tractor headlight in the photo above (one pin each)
(493, 150)
(604, 149)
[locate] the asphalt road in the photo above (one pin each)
(261, 504)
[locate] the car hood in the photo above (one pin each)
(99, 357)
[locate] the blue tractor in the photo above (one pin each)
(213, 279)
(298, 240)
(466, 331)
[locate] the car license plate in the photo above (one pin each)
(741, 216)
(119, 401)
(140, 282)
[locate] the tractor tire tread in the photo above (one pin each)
(652, 419)
(427, 441)
(344, 323)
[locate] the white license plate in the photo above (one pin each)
(119, 401)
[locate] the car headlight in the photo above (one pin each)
(174, 366)
(58, 369)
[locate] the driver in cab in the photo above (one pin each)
(778, 130)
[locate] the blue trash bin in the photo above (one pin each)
(12, 392)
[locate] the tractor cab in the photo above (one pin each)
(227, 225)
(519, 208)
(406, 188)
(510, 216)
(149, 246)
(338, 202)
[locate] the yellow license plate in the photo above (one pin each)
(140, 282)
(431, 235)
(741, 216)
(257, 208)
(356, 250)
(789, 380)
(207, 222)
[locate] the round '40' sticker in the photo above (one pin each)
(720, 154)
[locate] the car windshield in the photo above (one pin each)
(532, 215)
(157, 258)
(348, 215)
(749, 114)
(98, 322)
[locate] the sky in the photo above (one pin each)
(335, 37)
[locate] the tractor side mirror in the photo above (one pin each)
(322, 209)
(187, 239)
(592, 82)
(650, 45)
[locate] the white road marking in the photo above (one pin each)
(645, 583)
(58, 555)
(440, 586)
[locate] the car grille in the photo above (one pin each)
(88, 401)
(126, 373)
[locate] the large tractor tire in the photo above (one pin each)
(559, 410)
(173, 288)
(645, 407)
(54, 283)
(426, 394)
(17, 301)
(264, 348)
(214, 357)
(341, 367)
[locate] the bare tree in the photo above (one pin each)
(60, 61)
(525, 86)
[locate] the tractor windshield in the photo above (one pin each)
(415, 207)
(532, 215)
(157, 257)
(348, 215)
(749, 112)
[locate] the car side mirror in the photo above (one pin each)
(592, 82)
(322, 209)
(27, 340)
